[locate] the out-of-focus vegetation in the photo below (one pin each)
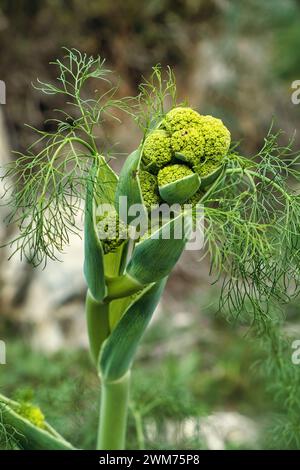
(184, 372)
(233, 59)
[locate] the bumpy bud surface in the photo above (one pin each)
(186, 153)
(189, 143)
(172, 173)
(32, 414)
(208, 167)
(217, 137)
(149, 188)
(157, 151)
(112, 231)
(177, 183)
(181, 118)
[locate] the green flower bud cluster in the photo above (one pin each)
(217, 142)
(31, 413)
(184, 144)
(111, 231)
(189, 144)
(172, 173)
(157, 151)
(181, 118)
(149, 188)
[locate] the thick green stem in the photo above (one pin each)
(97, 324)
(113, 414)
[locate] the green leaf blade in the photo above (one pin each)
(27, 435)
(181, 190)
(129, 187)
(93, 252)
(107, 181)
(118, 351)
(154, 257)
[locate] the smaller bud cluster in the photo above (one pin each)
(172, 173)
(32, 413)
(111, 231)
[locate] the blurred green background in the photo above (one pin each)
(200, 381)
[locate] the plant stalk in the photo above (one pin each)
(97, 324)
(113, 414)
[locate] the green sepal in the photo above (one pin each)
(119, 349)
(211, 178)
(122, 286)
(153, 258)
(93, 252)
(101, 188)
(117, 308)
(181, 190)
(128, 186)
(99, 314)
(27, 435)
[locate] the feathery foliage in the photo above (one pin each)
(157, 95)
(45, 186)
(252, 216)
(282, 378)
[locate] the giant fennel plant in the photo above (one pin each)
(185, 160)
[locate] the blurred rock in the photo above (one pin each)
(49, 302)
(215, 432)
(224, 429)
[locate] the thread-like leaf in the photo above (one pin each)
(119, 349)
